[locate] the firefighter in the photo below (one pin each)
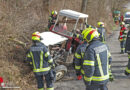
(127, 48)
(52, 19)
(78, 56)
(101, 31)
(96, 62)
(38, 56)
(122, 37)
(77, 40)
(121, 18)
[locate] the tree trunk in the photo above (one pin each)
(84, 5)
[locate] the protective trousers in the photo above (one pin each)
(97, 87)
(48, 80)
(128, 66)
(122, 45)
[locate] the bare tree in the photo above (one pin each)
(84, 5)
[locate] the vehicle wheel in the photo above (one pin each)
(60, 71)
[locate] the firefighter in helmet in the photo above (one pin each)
(52, 19)
(39, 57)
(96, 61)
(122, 37)
(78, 58)
(101, 31)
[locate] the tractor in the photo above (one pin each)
(62, 40)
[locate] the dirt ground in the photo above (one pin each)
(119, 63)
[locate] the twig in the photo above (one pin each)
(18, 41)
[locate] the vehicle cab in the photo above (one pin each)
(61, 39)
(67, 24)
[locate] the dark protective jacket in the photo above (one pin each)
(102, 33)
(96, 63)
(51, 21)
(123, 34)
(78, 58)
(127, 47)
(39, 58)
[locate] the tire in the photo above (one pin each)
(61, 70)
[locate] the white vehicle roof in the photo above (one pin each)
(72, 14)
(50, 38)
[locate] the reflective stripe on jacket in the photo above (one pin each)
(96, 63)
(79, 56)
(40, 58)
(127, 70)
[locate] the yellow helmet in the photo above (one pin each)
(100, 24)
(89, 34)
(84, 31)
(54, 12)
(36, 36)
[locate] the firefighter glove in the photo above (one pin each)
(79, 77)
(126, 73)
(111, 78)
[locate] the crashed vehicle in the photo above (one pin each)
(69, 24)
(53, 42)
(61, 39)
